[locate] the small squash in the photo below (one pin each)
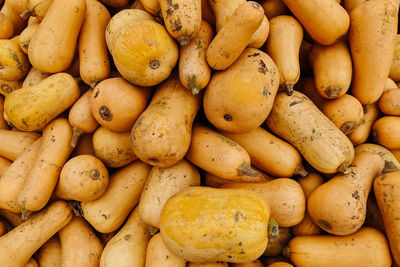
(386, 132)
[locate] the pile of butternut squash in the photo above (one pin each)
(199, 133)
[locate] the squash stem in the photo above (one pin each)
(246, 170)
(344, 168)
(286, 252)
(76, 133)
(273, 228)
(184, 40)
(289, 88)
(301, 171)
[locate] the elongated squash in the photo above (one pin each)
(14, 143)
(50, 253)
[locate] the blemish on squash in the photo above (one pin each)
(324, 224)
(262, 67)
(294, 103)
(348, 126)
(96, 94)
(356, 195)
(332, 91)
(154, 64)
(105, 113)
(94, 174)
(127, 237)
(228, 117)
(154, 160)
(5, 87)
(254, 55)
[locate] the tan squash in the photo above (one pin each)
(162, 184)
(283, 45)
(391, 163)
(240, 98)
(39, 8)
(373, 28)
(361, 133)
(386, 132)
(116, 104)
(235, 35)
(297, 120)
(4, 165)
(282, 159)
(212, 180)
(284, 196)
(394, 72)
(223, 10)
(151, 6)
(113, 148)
(208, 264)
(396, 153)
(162, 133)
(82, 178)
(390, 84)
(273, 8)
(367, 247)
(43, 177)
(50, 253)
(12, 181)
(107, 213)
(6, 27)
(32, 263)
(26, 36)
(14, 64)
(34, 77)
(389, 102)
(159, 255)
(79, 244)
(6, 87)
(260, 35)
(332, 68)
(14, 143)
(194, 72)
(18, 245)
(128, 247)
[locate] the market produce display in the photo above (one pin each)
(199, 133)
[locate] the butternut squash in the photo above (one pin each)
(373, 28)
(32, 263)
(391, 163)
(282, 159)
(162, 133)
(52, 48)
(115, 3)
(79, 244)
(394, 72)
(325, 21)
(12, 181)
(385, 188)
(128, 247)
(360, 134)
(43, 177)
(260, 35)
(346, 216)
(389, 102)
(82, 178)
(283, 45)
(142, 50)
(240, 98)
(152, 6)
(158, 254)
(297, 120)
(6, 27)
(14, 10)
(332, 69)
(208, 264)
(7, 87)
(26, 36)
(235, 35)
(280, 264)
(367, 247)
(162, 184)
(18, 245)
(14, 143)
(273, 8)
(284, 196)
(396, 153)
(386, 132)
(214, 181)
(14, 64)
(108, 212)
(113, 148)
(194, 72)
(33, 107)
(34, 77)
(236, 230)
(94, 65)
(4, 165)
(218, 155)
(116, 104)
(50, 253)
(39, 8)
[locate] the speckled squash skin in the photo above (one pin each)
(236, 228)
(14, 64)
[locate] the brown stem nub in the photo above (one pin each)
(152, 230)
(25, 14)
(344, 168)
(75, 207)
(246, 170)
(273, 228)
(184, 40)
(76, 133)
(93, 84)
(195, 90)
(24, 213)
(301, 171)
(286, 252)
(289, 88)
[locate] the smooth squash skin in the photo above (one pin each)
(94, 65)
(361, 133)
(255, 263)
(273, 8)
(394, 72)
(33, 107)
(128, 247)
(33, 77)
(325, 21)
(14, 143)
(14, 64)
(79, 244)
(283, 45)
(208, 264)
(240, 98)
(151, 6)
(142, 50)
(389, 102)
(346, 216)
(39, 8)
(50, 253)
(108, 212)
(282, 159)
(223, 10)
(15, 11)
(115, 3)
(235, 35)
(43, 177)
(237, 222)
(280, 264)
(6, 27)
(385, 189)
(212, 180)
(4, 165)
(391, 163)
(182, 19)
(218, 155)
(284, 196)
(386, 132)
(373, 28)
(194, 72)
(26, 36)
(332, 69)
(52, 48)
(297, 120)
(12, 180)
(158, 254)
(162, 133)
(162, 184)
(367, 247)
(18, 245)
